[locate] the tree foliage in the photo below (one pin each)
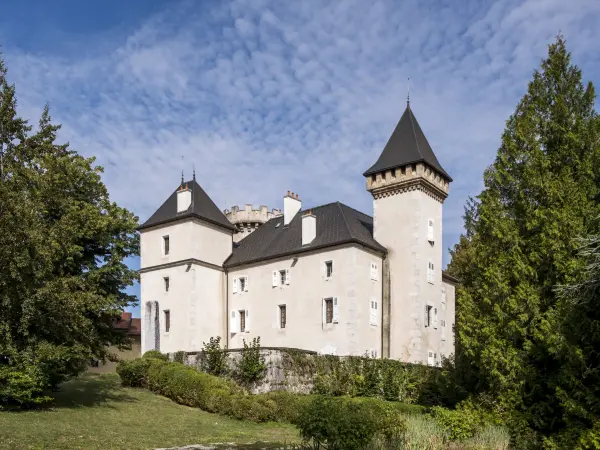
(540, 193)
(62, 250)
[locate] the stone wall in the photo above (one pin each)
(282, 373)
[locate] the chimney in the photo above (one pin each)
(291, 206)
(184, 198)
(309, 228)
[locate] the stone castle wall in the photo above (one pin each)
(249, 219)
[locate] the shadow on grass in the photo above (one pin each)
(90, 390)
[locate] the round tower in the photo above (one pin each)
(248, 219)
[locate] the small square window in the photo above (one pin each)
(328, 310)
(329, 269)
(167, 283)
(282, 316)
(242, 321)
(166, 245)
(282, 277)
(167, 320)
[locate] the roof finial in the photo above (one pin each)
(408, 94)
(193, 172)
(182, 177)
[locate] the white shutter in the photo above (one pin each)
(287, 276)
(235, 285)
(430, 359)
(373, 271)
(274, 278)
(233, 322)
(430, 272)
(435, 318)
(324, 270)
(430, 237)
(324, 311)
(443, 330)
(426, 321)
(373, 312)
(336, 310)
(246, 284)
(443, 299)
(247, 322)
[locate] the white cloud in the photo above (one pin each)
(270, 96)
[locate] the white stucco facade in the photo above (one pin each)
(303, 294)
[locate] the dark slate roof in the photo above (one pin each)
(336, 224)
(202, 207)
(407, 145)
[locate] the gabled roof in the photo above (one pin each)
(202, 207)
(407, 145)
(336, 224)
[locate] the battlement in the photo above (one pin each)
(248, 219)
(418, 176)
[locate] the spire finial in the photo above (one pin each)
(408, 93)
(182, 177)
(193, 172)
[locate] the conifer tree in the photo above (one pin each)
(62, 250)
(541, 192)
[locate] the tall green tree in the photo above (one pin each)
(540, 193)
(62, 249)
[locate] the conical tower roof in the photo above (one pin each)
(407, 145)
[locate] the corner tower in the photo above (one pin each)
(409, 187)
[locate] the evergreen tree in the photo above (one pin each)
(540, 193)
(62, 251)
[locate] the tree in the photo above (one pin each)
(62, 251)
(542, 191)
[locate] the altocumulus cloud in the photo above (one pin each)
(266, 96)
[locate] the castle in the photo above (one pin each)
(327, 278)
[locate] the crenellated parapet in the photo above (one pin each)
(419, 176)
(248, 219)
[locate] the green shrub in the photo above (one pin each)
(287, 404)
(213, 359)
(250, 407)
(460, 424)
(155, 354)
(134, 373)
(179, 357)
(21, 386)
(250, 367)
(342, 423)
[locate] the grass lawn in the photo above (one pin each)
(94, 411)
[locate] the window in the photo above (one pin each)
(443, 298)
(242, 284)
(242, 321)
(430, 273)
(328, 310)
(435, 318)
(328, 269)
(428, 315)
(282, 316)
(166, 245)
(373, 312)
(443, 324)
(167, 320)
(430, 235)
(430, 358)
(373, 271)
(281, 277)
(166, 280)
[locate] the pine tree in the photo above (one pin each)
(541, 192)
(62, 250)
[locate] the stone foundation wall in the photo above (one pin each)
(283, 373)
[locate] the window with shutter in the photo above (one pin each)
(427, 315)
(282, 277)
(435, 318)
(274, 278)
(430, 273)
(234, 287)
(430, 235)
(373, 271)
(373, 313)
(430, 359)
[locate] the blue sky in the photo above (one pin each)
(269, 96)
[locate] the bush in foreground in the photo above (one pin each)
(343, 423)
